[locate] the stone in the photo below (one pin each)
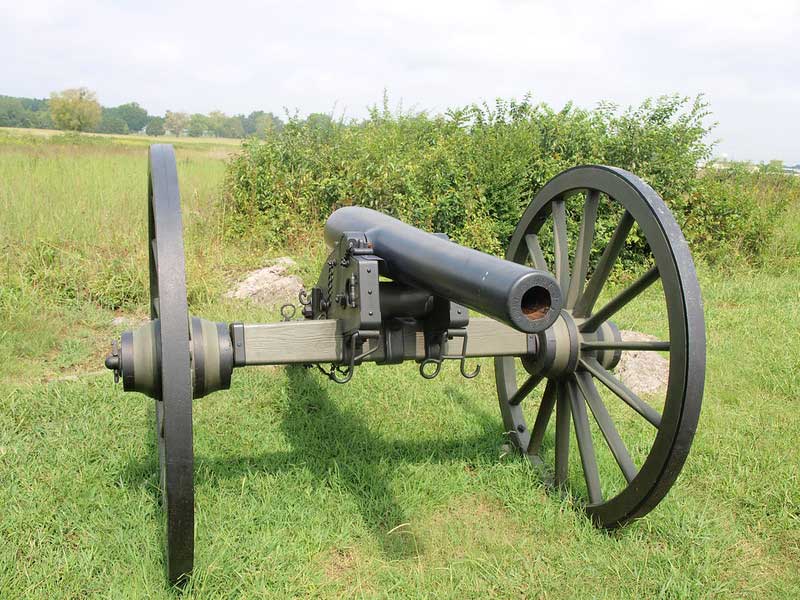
(645, 373)
(270, 285)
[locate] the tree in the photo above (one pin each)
(75, 109)
(176, 122)
(198, 125)
(233, 127)
(111, 122)
(268, 124)
(134, 116)
(216, 122)
(41, 119)
(261, 123)
(321, 124)
(249, 122)
(221, 125)
(13, 113)
(24, 112)
(155, 127)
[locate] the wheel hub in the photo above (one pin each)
(559, 347)
(136, 358)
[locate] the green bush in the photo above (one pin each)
(472, 171)
(732, 212)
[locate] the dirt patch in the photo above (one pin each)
(271, 285)
(339, 563)
(348, 572)
(645, 373)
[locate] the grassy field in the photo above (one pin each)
(391, 486)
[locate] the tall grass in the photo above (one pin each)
(73, 222)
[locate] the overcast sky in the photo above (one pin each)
(339, 56)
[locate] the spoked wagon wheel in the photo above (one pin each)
(576, 356)
(174, 402)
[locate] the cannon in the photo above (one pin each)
(389, 292)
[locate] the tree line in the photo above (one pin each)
(78, 109)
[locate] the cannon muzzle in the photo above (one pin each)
(527, 299)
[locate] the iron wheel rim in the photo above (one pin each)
(686, 334)
(173, 408)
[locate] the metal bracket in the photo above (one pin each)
(462, 358)
(356, 340)
(348, 287)
(237, 338)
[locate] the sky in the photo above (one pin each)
(339, 57)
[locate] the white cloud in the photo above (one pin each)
(241, 56)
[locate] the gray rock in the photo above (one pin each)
(271, 285)
(643, 372)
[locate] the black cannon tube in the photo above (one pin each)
(527, 299)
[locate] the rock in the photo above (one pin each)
(271, 285)
(120, 321)
(643, 372)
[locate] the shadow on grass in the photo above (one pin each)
(341, 451)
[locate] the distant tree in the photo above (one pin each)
(199, 125)
(75, 109)
(24, 112)
(268, 124)
(237, 124)
(13, 113)
(155, 127)
(233, 127)
(261, 123)
(321, 123)
(41, 119)
(111, 122)
(176, 122)
(221, 125)
(35, 104)
(249, 122)
(134, 116)
(215, 122)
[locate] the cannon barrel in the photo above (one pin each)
(528, 299)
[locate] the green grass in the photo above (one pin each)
(391, 486)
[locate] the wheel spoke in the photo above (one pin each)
(525, 389)
(562, 435)
(620, 300)
(585, 445)
(535, 252)
(615, 443)
(584, 247)
(560, 241)
(622, 391)
(643, 345)
(586, 301)
(542, 418)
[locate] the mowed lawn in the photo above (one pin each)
(390, 486)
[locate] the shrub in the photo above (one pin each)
(732, 212)
(472, 171)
